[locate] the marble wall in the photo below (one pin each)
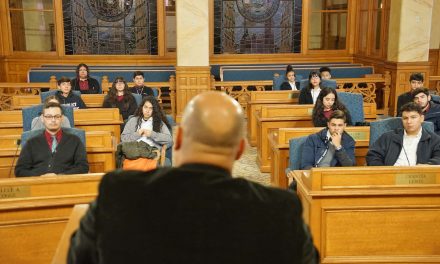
(409, 30)
(192, 17)
(435, 31)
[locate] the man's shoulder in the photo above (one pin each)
(181, 178)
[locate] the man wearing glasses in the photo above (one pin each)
(416, 81)
(53, 151)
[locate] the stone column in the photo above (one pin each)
(408, 44)
(192, 70)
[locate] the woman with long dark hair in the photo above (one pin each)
(309, 94)
(83, 82)
(326, 104)
(149, 124)
(120, 97)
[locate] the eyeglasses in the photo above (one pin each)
(50, 117)
(416, 82)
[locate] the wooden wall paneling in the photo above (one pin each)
(400, 73)
(161, 27)
(434, 62)
(190, 81)
(59, 27)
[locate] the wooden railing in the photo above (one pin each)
(8, 90)
(437, 80)
(366, 86)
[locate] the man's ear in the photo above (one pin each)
(178, 140)
(241, 148)
(423, 118)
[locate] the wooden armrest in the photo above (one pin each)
(63, 246)
(163, 151)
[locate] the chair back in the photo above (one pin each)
(355, 105)
(295, 152)
(329, 83)
(435, 98)
(29, 113)
(324, 83)
(377, 128)
(138, 98)
(25, 136)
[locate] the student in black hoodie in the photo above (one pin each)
(66, 96)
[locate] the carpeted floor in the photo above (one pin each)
(246, 167)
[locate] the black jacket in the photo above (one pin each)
(195, 213)
(403, 99)
(433, 115)
(386, 149)
(144, 91)
(286, 86)
(37, 159)
(72, 100)
(93, 86)
(305, 96)
(316, 146)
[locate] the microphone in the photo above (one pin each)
(18, 143)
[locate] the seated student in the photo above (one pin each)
(140, 88)
(65, 95)
(83, 82)
(430, 109)
(195, 212)
(325, 73)
(290, 84)
(53, 151)
(38, 122)
(409, 146)
(309, 94)
(416, 81)
(120, 97)
(326, 104)
(331, 146)
(149, 124)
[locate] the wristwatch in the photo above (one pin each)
(338, 148)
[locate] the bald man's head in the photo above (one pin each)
(213, 119)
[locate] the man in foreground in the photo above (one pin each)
(409, 146)
(195, 212)
(331, 146)
(53, 151)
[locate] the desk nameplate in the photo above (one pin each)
(8, 192)
(415, 178)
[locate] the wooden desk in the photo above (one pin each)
(279, 146)
(273, 117)
(373, 214)
(99, 119)
(34, 212)
(22, 101)
(72, 225)
(99, 146)
(260, 98)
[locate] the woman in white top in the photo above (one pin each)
(149, 124)
(310, 94)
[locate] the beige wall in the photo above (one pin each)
(409, 30)
(192, 28)
(435, 26)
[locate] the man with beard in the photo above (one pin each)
(431, 110)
